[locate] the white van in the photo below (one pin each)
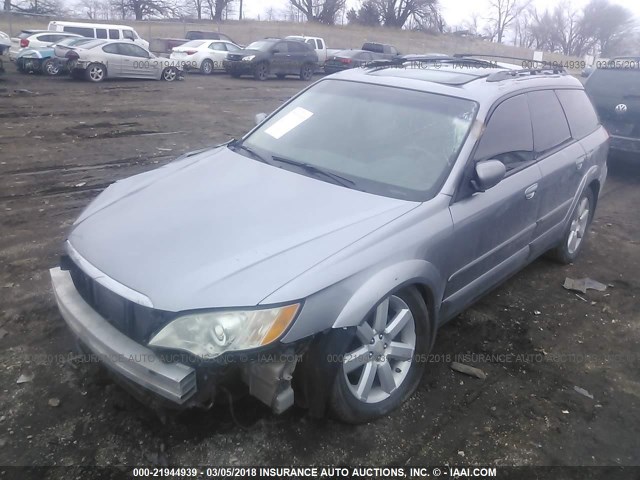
(99, 30)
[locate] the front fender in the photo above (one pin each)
(386, 281)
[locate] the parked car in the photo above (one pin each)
(100, 30)
(166, 45)
(328, 245)
(5, 43)
(34, 39)
(614, 89)
(42, 59)
(100, 59)
(204, 55)
(388, 51)
(349, 59)
(273, 56)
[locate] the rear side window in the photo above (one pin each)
(101, 33)
(85, 32)
(579, 111)
(508, 135)
(373, 47)
(114, 34)
(550, 127)
(111, 48)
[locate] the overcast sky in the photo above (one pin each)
(455, 12)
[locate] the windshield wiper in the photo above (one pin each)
(339, 179)
(240, 146)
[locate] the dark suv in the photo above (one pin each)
(273, 56)
(614, 89)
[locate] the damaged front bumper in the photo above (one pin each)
(174, 384)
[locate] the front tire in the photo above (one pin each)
(50, 67)
(306, 72)
(575, 234)
(169, 74)
(261, 71)
(381, 367)
(95, 72)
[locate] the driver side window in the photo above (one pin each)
(508, 136)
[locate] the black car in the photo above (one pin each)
(345, 59)
(614, 89)
(387, 51)
(200, 35)
(273, 56)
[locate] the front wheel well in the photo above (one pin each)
(595, 188)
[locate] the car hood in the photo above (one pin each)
(218, 229)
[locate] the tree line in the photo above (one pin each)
(601, 28)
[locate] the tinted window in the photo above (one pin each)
(579, 111)
(101, 33)
(262, 45)
(373, 47)
(281, 47)
(128, 34)
(85, 32)
(550, 127)
(111, 48)
(114, 34)
(297, 47)
(51, 38)
(508, 135)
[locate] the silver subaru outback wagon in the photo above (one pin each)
(314, 259)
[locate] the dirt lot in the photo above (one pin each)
(62, 142)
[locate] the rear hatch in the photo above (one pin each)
(615, 93)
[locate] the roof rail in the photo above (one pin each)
(507, 74)
(400, 61)
(504, 57)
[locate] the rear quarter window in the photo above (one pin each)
(579, 111)
(550, 127)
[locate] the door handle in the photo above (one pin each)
(580, 162)
(530, 192)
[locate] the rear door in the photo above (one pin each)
(281, 58)
(493, 229)
(561, 160)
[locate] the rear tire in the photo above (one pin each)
(575, 234)
(169, 74)
(95, 72)
(206, 67)
(383, 364)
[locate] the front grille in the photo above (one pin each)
(135, 321)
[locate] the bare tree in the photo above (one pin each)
(322, 11)
(396, 13)
(502, 14)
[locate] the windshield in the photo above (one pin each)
(389, 141)
(262, 45)
(614, 82)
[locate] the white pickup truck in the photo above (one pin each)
(318, 44)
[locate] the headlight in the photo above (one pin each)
(248, 58)
(210, 334)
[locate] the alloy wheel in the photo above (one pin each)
(579, 225)
(382, 352)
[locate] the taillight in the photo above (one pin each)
(24, 43)
(190, 52)
(345, 60)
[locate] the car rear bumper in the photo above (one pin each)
(624, 144)
(139, 365)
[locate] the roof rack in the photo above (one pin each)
(507, 74)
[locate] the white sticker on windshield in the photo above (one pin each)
(287, 123)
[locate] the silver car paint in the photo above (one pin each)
(338, 249)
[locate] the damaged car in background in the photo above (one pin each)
(301, 269)
(98, 60)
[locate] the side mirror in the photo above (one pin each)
(488, 174)
(259, 118)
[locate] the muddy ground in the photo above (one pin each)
(62, 142)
